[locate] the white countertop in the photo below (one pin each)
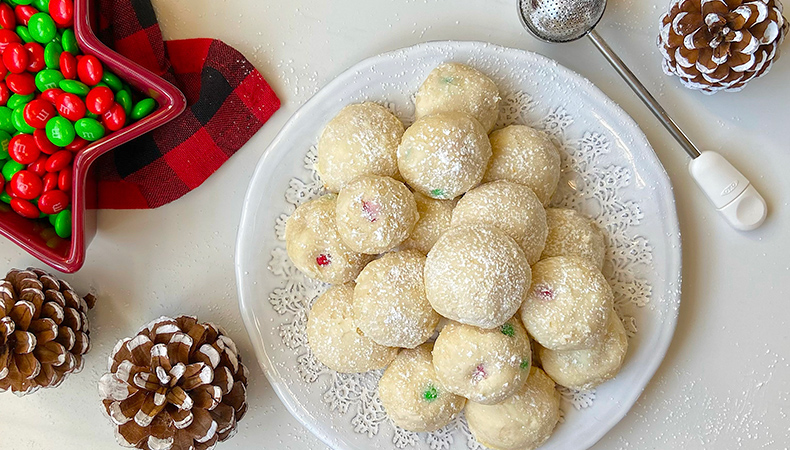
(724, 384)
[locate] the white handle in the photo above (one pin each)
(729, 191)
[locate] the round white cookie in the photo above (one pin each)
(511, 207)
(375, 214)
(315, 247)
(458, 87)
(524, 421)
(361, 139)
(390, 305)
(444, 155)
(477, 275)
(526, 156)
(334, 338)
(568, 304)
(572, 234)
(411, 393)
(485, 366)
(586, 369)
(435, 216)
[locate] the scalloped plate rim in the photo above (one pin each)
(270, 158)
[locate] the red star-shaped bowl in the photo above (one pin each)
(36, 236)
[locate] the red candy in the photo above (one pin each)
(58, 161)
(37, 167)
(5, 93)
(68, 65)
(23, 149)
(27, 185)
(115, 118)
(7, 18)
(50, 181)
(70, 106)
(7, 36)
(76, 145)
(51, 95)
(64, 179)
(15, 57)
(53, 202)
(35, 57)
(23, 13)
(62, 12)
(43, 142)
(21, 83)
(25, 209)
(99, 100)
(38, 112)
(9, 191)
(90, 70)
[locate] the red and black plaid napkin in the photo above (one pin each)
(227, 102)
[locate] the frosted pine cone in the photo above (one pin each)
(44, 331)
(715, 45)
(176, 385)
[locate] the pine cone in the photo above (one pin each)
(178, 384)
(44, 331)
(715, 45)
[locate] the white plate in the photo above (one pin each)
(609, 172)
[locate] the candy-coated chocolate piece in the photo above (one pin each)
(70, 106)
(50, 181)
(21, 83)
(7, 36)
(18, 119)
(41, 5)
(115, 118)
(124, 98)
(5, 120)
(60, 131)
(99, 100)
(59, 161)
(23, 33)
(48, 79)
(5, 140)
(51, 95)
(15, 57)
(5, 93)
(89, 129)
(69, 41)
(42, 27)
(24, 12)
(76, 145)
(7, 17)
(42, 141)
(10, 168)
(143, 108)
(23, 149)
(68, 65)
(38, 112)
(26, 185)
(74, 87)
(63, 224)
(112, 81)
(16, 100)
(90, 70)
(35, 57)
(53, 202)
(38, 166)
(62, 12)
(65, 177)
(52, 53)
(25, 209)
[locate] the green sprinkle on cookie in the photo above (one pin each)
(524, 364)
(508, 330)
(430, 394)
(438, 193)
(448, 80)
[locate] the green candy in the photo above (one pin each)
(52, 218)
(143, 108)
(48, 79)
(16, 100)
(24, 33)
(74, 87)
(91, 115)
(23, 2)
(112, 81)
(63, 224)
(42, 27)
(60, 131)
(124, 99)
(10, 168)
(42, 5)
(5, 138)
(69, 42)
(52, 55)
(18, 119)
(5, 120)
(4, 197)
(89, 129)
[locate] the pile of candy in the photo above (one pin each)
(53, 102)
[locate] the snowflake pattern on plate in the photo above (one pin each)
(584, 185)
